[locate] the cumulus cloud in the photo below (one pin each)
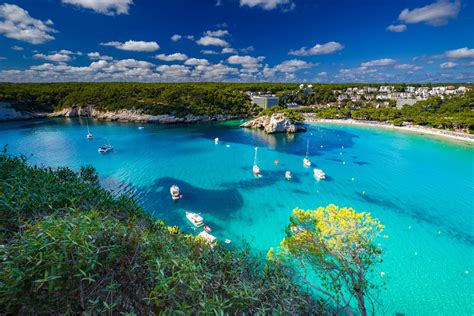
(107, 7)
(379, 62)
(176, 37)
(196, 62)
(435, 14)
(218, 33)
(268, 4)
(407, 67)
(212, 41)
(98, 56)
(53, 57)
(225, 50)
(318, 49)
(174, 72)
(288, 67)
(136, 46)
(172, 57)
(16, 23)
(397, 28)
(460, 53)
(17, 48)
(245, 61)
(448, 65)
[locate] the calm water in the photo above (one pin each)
(422, 189)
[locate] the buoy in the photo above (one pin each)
(363, 192)
(409, 227)
(343, 162)
(322, 146)
(353, 179)
(227, 146)
(276, 162)
(416, 253)
(342, 147)
(466, 272)
(382, 274)
(340, 153)
(439, 232)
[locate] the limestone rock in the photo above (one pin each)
(276, 123)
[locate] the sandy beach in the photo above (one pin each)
(421, 130)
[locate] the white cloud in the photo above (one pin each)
(107, 7)
(16, 23)
(98, 56)
(287, 67)
(225, 50)
(448, 65)
(407, 67)
(209, 52)
(172, 57)
(397, 28)
(212, 41)
(322, 74)
(216, 72)
(2, 58)
(318, 49)
(460, 53)
(190, 37)
(196, 62)
(174, 72)
(247, 49)
(379, 62)
(136, 46)
(245, 61)
(435, 14)
(17, 48)
(267, 4)
(176, 37)
(53, 57)
(218, 33)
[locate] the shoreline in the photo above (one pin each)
(414, 129)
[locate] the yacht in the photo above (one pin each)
(210, 240)
(174, 191)
(288, 175)
(89, 134)
(216, 140)
(306, 161)
(256, 169)
(195, 219)
(105, 148)
(319, 174)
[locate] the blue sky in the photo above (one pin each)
(237, 40)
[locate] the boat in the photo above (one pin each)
(319, 174)
(105, 148)
(141, 127)
(207, 229)
(256, 169)
(288, 175)
(227, 241)
(211, 240)
(306, 161)
(216, 140)
(195, 219)
(174, 191)
(89, 134)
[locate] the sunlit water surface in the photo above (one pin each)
(421, 188)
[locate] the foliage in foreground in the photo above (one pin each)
(69, 246)
(335, 251)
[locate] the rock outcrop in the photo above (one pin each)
(7, 113)
(139, 116)
(276, 123)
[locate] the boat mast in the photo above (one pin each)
(307, 148)
(255, 157)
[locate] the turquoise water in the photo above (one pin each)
(421, 188)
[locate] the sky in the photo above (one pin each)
(328, 41)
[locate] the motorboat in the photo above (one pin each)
(105, 148)
(288, 175)
(141, 127)
(216, 140)
(195, 219)
(210, 240)
(256, 169)
(89, 136)
(207, 229)
(306, 161)
(319, 174)
(174, 191)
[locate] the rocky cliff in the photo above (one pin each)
(276, 123)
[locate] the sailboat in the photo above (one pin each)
(89, 134)
(256, 169)
(306, 161)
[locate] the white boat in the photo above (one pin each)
(288, 175)
(211, 240)
(174, 191)
(306, 161)
(89, 134)
(319, 174)
(216, 140)
(195, 219)
(256, 169)
(141, 127)
(105, 148)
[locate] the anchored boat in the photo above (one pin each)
(288, 175)
(256, 169)
(306, 161)
(319, 174)
(174, 191)
(195, 219)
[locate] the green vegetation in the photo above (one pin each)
(338, 246)
(290, 114)
(69, 246)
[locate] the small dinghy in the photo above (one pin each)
(216, 140)
(319, 174)
(306, 161)
(105, 148)
(195, 219)
(256, 169)
(207, 229)
(288, 175)
(174, 191)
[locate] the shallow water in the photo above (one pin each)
(421, 188)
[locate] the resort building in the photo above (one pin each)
(265, 101)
